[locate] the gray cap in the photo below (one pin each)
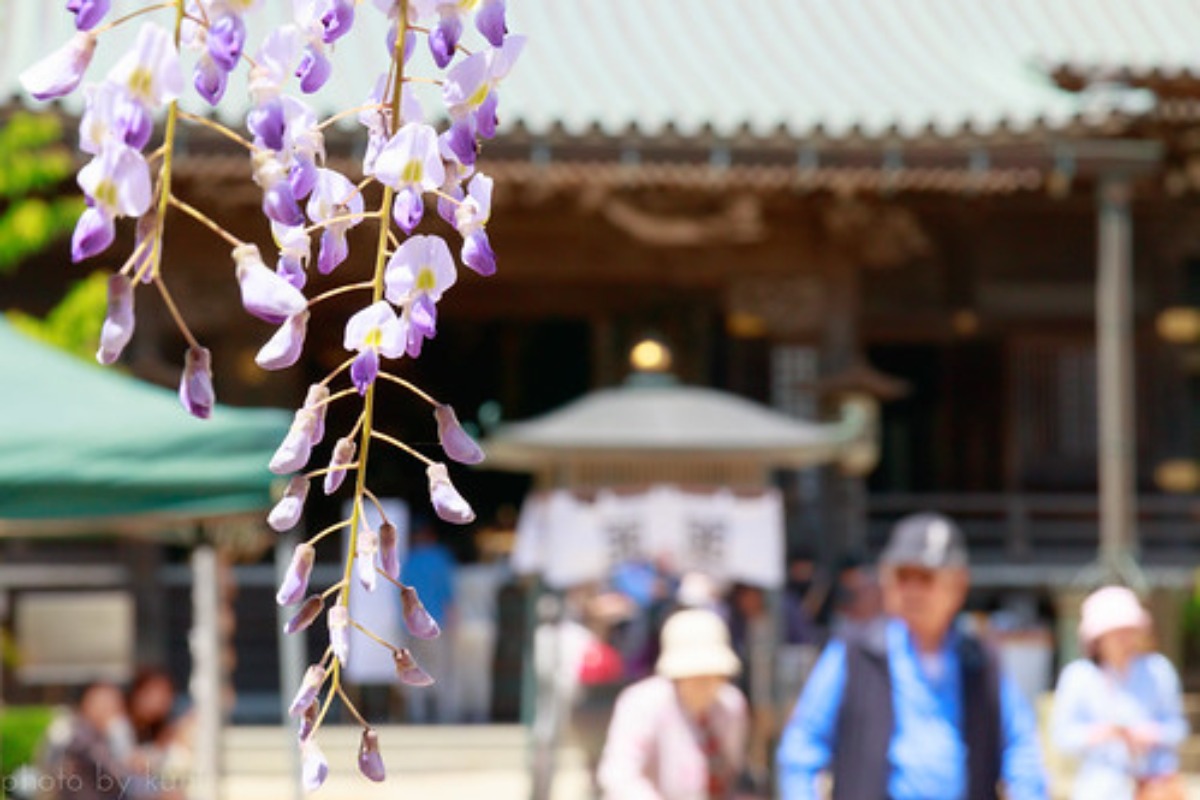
(928, 540)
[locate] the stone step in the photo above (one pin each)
(270, 750)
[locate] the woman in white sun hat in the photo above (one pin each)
(681, 733)
(1118, 709)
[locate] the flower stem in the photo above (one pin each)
(347, 112)
(374, 636)
(108, 26)
(174, 311)
(410, 386)
(350, 706)
(337, 526)
(224, 130)
(402, 446)
(350, 287)
(204, 220)
(345, 218)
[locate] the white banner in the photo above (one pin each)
(570, 539)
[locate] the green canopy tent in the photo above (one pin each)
(84, 445)
(87, 450)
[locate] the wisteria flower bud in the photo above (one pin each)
(314, 767)
(310, 687)
(408, 671)
(314, 402)
(418, 621)
(265, 294)
(366, 546)
(195, 387)
(297, 446)
(456, 442)
(94, 232)
(314, 70)
(447, 502)
(338, 620)
(295, 580)
(119, 321)
(343, 455)
(389, 550)
(444, 38)
(310, 609)
(284, 348)
(477, 253)
(88, 13)
(226, 37)
(370, 762)
(209, 80)
(308, 721)
(59, 73)
(290, 508)
(490, 22)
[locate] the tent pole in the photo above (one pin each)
(206, 673)
(291, 661)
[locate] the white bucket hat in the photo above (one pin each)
(1109, 609)
(695, 642)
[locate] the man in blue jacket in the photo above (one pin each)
(912, 709)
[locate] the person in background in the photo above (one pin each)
(90, 755)
(476, 588)
(429, 568)
(1118, 709)
(910, 708)
(679, 734)
(753, 631)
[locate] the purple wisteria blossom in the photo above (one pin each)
(88, 13)
(151, 71)
(411, 164)
(338, 620)
(408, 671)
(370, 762)
(314, 404)
(490, 22)
(310, 609)
(418, 621)
(293, 452)
(470, 217)
(310, 687)
(455, 441)
(447, 502)
(417, 275)
(59, 73)
(343, 454)
(116, 183)
(295, 580)
(372, 332)
(334, 197)
(389, 550)
(366, 548)
(283, 349)
(287, 512)
(113, 116)
(196, 386)
(314, 766)
(119, 321)
(265, 294)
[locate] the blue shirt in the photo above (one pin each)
(430, 570)
(1146, 695)
(927, 755)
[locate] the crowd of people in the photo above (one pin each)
(903, 703)
(674, 685)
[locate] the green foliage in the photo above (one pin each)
(33, 164)
(21, 731)
(74, 324)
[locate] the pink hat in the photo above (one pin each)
(1110, 609)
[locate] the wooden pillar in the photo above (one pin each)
(1115, 379)
(847, 496)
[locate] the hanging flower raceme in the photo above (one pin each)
(408, 155)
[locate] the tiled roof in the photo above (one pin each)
(874, 69)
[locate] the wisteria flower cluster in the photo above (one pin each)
(410, 157)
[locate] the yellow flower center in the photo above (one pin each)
(141, 83)
(479, 95)
(426, 281)
(105, 194)
(413, 172)
(373, 338)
